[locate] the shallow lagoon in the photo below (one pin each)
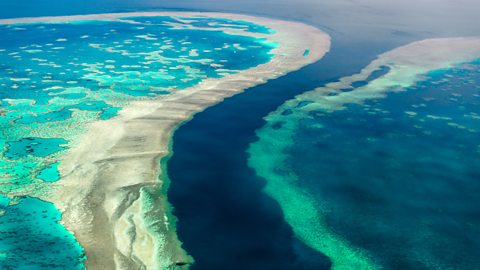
(393, 180)
(407, 188)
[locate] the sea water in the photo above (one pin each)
(391, 182)
(57, 78)
(224, 218)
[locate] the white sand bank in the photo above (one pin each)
(109, 176)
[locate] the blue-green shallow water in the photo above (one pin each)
(32, 238)
(56, 78)
(400, 176)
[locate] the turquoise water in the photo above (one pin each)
(57, 78)
(50, 173)
(32, 238)
(391, 183)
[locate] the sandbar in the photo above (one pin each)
(112, 192)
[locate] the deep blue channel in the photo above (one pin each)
(225, 221)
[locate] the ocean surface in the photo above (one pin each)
(227, 221)
(57, 78)
(391, 182)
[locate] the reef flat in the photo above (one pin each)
(96, 154)
(362, 167)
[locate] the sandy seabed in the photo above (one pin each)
(112, 192)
